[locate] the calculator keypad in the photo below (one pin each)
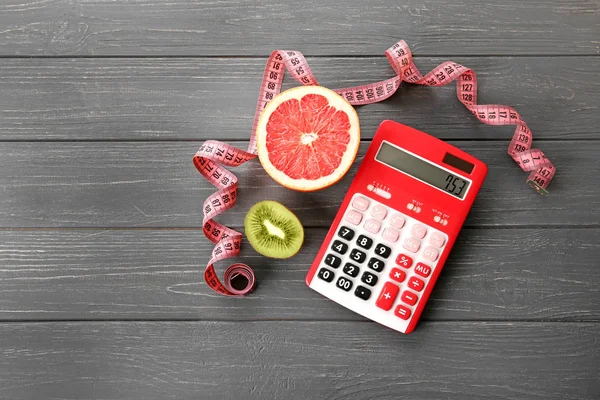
(388, 257)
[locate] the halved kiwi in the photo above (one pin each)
(273, 230)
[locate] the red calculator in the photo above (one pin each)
(396, 226)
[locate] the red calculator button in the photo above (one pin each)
(387, 296)
(354, 217)
(437, 239)
(412, 245)
(402, 312)
(379, 212)
(423, 270)
(403, 260)
(372, 225)
(360, 203)
(430, 254)
(418, 231)
(390, 234)
(409, 298)
(398, 275)
(397, 221)
(416, 284)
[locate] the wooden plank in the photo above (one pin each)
(492, 274)
(299, 360)
(196, 98)
(188, 27)
(131, 184)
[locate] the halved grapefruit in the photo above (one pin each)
(307, 138)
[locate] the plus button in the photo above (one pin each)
(387, 296)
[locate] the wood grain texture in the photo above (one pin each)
(275, 360)
(492, 274)
(248, 27)
(154, 184)
(199, 98)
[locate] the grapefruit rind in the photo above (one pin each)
(307, 185)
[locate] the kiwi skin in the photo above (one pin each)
(261, 225)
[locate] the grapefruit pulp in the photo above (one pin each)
(307, 138)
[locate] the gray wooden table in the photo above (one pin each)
(102, 105)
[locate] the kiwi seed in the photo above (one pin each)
(273, 230)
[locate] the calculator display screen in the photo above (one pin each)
(423, 170)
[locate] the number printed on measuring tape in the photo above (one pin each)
(213, 156)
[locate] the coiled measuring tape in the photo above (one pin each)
(213, 156)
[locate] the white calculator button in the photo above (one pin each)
(412, 244)
(379, 212)
(390, 234)
(372, 225)
(418, 231)
(360, 203)
(397, 221)
(437, 239)
(354, 217)
(430, 254)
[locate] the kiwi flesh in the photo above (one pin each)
(273, 230)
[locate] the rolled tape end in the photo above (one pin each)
(537, 187)
(246, 282)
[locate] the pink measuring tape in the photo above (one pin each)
(213, 155)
